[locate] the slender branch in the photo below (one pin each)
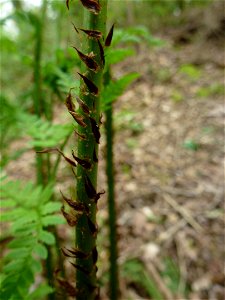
(113, 252)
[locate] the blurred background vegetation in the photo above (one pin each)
(168, 133)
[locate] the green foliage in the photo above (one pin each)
(190, 71)
(177, 96)
(172, 276)
(115, 89)
(28, 210)
(211, 90)
(114, 56)
(134, 271)
(137, 34)
(45, 134)
(125, 119)
(191, 145)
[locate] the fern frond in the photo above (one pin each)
(29, 210)
(116, 88)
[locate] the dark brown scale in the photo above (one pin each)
(78, 267)
(89, 188)
(92, 5)
(108, 39)
(90, 85)
(70, 290)
(95, 158)
(95, 129)
(75, 253)
(66, 254)
(68, 4)
(84, 163)
(69, 102)
(94, 255)
(98, 195)
(92, 33)
(102, 54)
(82, 136)
(78, 118)
(83, 106)
(77, 206)
(71, 220)
(88, 60)
(78, 253)
(70, 161)
(93, 227)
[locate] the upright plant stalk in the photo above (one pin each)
(113, 252)
(41, 108)
(88, 141)
(37, 96)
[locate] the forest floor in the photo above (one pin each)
(169, 160)
(169, 143)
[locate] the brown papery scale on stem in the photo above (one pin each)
(92, 5)
(102, 55)
(98, 195)
(49, 150)
(84, 163)
(74, 253)
(82, 136)
(78, 267)
(96, 34)
(88, 60)
(77, 206)
(70, 290)
(93, 227)
(108, 39)
(89, 188)
(90, 85)
(69, 102)
(95, 130)
(95, 158)
(68, 4)
(78, 254)
(83, 106)
(94, 255)
(78, 118)
(71, 220)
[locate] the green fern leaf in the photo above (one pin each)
(114, 56)
(52, 220)
(116, 88)
(41, 251)
(31, 204)
(22, 242)
(50, 207)
(46, 237)
(40, 292)
(18, 253)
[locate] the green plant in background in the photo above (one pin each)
(172, 276)
(190, 71)
(211, 90)
(134, 271)
(30, 211)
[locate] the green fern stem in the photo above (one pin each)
(37, 96)
(113, 252)
(86, 282)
